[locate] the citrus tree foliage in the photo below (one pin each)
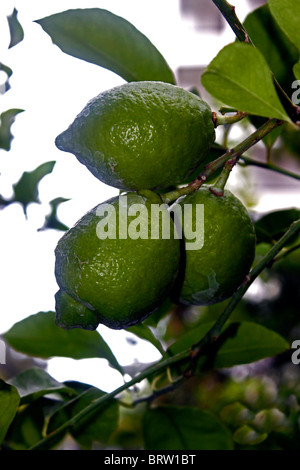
(188, 400)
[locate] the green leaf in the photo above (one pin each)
(15, 29)
(9, 402)
(96, 427)
(179, 428)
(33, 383)
(27, 427)
(6, 85)
(37, 335)
(272, 226)
(239, 76)
(144, 332)
(287, 15)
(296, 70)
(277, 49)
(26, 189)
(239, 343)
(51, 220)
(6, 120)
(102, 38)
(245, 435)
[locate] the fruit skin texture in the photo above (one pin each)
(141, 135)
(121, 280)
(214, 272)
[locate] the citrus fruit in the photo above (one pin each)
(214, 271)
(118, 262)
(141, 135)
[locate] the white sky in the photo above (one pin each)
(52, 88)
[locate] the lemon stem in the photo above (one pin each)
(218, 187)
(220, 119)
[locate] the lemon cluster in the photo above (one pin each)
(143, 138)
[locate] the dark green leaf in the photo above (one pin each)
(144, 332)
(102, 38)
(277, 49)
(100, 425)
(272, 226)
(287, 15)
(51, 220)
(95, 427)
(26, 189)
(15, 29)
(27, 427)
(5, 86)
(296, 70)
(34, 383)
(37, 335)
(6, 120)
(9, 402)
(240, 77)
(239, 343)
(176, 428)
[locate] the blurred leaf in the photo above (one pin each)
(33, 383)
(272, 226)
(51, 220)
(287, 15)
(6, 120)
(102, 38)
(96, 427)
(15, 29)
(239, 343)
(27, 427)
(180, 428)
(37, 335)
(296, 70)
(5, 86)
(291, 138)
(144, 332)
(9, 402)
(277, 49)
(245, 435)
(251, 90)
(26, 189)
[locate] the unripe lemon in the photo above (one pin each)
(213, 272)
(141, 135)
(115, 264)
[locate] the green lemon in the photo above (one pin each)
(221, 254)
(141, 135)
(119, 262)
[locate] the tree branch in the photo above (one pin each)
(228, 11)
(268, 166)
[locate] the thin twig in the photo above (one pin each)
(268, 166)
